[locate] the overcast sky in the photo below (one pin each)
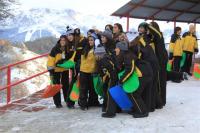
(99, 7)
(104, 7)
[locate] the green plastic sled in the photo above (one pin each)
(196, 75)
(169, 66)
(183, 58)
(131, 84)
(74, 95)
(98, 85)
(67, 64)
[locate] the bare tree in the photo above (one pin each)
(6, 8)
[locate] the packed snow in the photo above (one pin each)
(181, 114)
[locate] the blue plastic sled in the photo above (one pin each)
(121, 98)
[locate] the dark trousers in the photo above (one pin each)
(155, 92)
(172, 75)
(176, 63)
(140, 103)
(188, 62)
(63, 78)
(111, 106)
(109, 74)
(163, 82)
(87, 87)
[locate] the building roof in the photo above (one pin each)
(164, 10)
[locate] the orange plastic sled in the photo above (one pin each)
(51, 90)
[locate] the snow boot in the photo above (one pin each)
(108, 115)
(59, 106)
(140, 115)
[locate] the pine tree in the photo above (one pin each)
(6, 8)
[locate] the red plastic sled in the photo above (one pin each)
(51, 90)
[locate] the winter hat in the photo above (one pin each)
(69, 31)
(123, 45)
(107, 34)
(144, 25)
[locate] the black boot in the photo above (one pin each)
(70, 106)
(176, 81)
(108, 115)
(59, 106)
(84, 108)
(140, 115)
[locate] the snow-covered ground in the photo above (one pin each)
(181, 114)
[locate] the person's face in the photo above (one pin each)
(179, 32)
(192, 29)
(117, 51)
(62, 42)
(70, 37)
(115, 29)
(141, 30)
(91, 41)
(103, 39)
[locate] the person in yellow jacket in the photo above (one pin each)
(87, 68)
(60, 52)
(175, 47)
(190, 46)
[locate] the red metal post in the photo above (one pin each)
(8, 83)
(127, 24)
(174, 24)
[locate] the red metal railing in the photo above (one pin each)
(9, 83)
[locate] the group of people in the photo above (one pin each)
(186, 45)
(146, 56)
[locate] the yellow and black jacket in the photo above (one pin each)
(176, 45)
(88, 63)
(190, 42)
(55, 56)
(146, 51)
(158, 45)
(127, 63)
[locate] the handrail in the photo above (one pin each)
(20, 62)
(9, 66)
(23, 80)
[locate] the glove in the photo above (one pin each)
(60, 62)
(196, 50)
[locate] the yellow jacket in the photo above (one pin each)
(176, 46)
(55, 56)
(189, 42)
(88, 64)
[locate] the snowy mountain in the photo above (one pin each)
(31, 24)
(28, 25)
